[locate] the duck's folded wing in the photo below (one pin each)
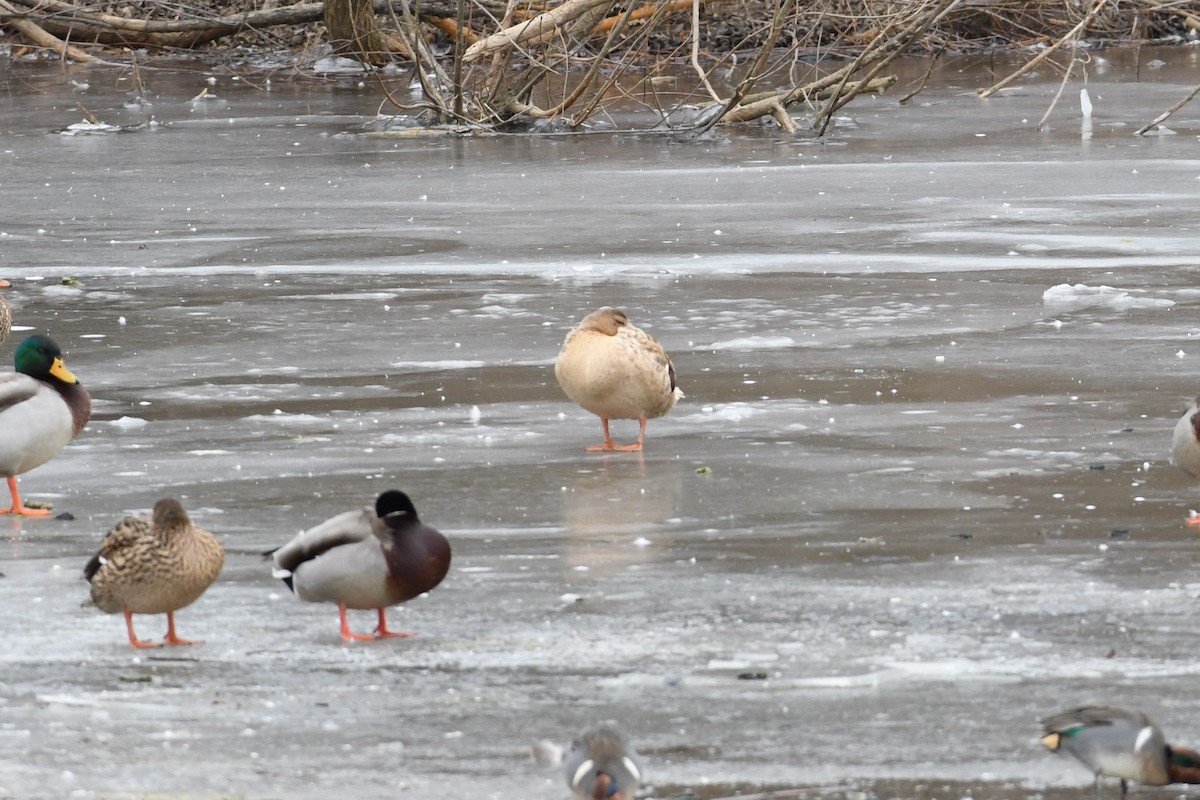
(16, 388)
(347, 528)
(1093, 717)
(125, 535)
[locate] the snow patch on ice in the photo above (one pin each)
(732, 412)
(1068, 297)
(754, 343)
(281, 418)
(437, 365)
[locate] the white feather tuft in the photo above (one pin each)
(584, 769)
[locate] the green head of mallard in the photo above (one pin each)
(40, 357)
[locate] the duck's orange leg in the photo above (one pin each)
(17, 506)
(610, 446)
(347, 634)
(383, 632)
(133, 639)
(172, 637)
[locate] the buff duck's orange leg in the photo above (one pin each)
(172, 637)
(347, 634)
(1193, 521)
(133, 639)
(610, 446)
(383, 632)
(18, 507)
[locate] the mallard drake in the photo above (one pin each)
(1185, 446)
(616, 370)
(42, 407)
(601, 765)
(1120, 743)
(154, 566)
(369, 558)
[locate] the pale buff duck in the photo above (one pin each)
(616, 371)
(154, 566)
(1120, 743)
(42, 408)
(601, 765)
(371, 558)
(1185, 446)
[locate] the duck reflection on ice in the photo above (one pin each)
(612, 511)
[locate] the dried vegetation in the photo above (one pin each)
(501, 62)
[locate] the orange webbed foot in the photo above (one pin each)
(175, 640)
(25, 511)
(18, 508)
(141, 644)
(385, 634)
(381, 630)
(172, 638)
(349, 635)
(133, 638)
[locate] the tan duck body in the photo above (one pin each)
(1185, 446)
(1185, 441)
(366, 559)
(42, 408)
(154, 566)
(616, 370)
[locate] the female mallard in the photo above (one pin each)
(42, 407)
(370, 558)
(601, 765)
(616, 371)
(154, 566)
(1120, 743)
(5, 313)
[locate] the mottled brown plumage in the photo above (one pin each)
(616, 370)
(154, 566)
(6, 315)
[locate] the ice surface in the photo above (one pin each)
(837, 565)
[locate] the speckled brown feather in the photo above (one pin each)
(154, 566)
(6, 318)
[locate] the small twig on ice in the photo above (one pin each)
(1061, 87)
(1161, 117)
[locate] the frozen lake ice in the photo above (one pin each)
(918, 494)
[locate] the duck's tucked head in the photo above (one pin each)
(394, 507)
(605, 320)
(604, 786)
(602, 765)
(169, 513)
(40, 357)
